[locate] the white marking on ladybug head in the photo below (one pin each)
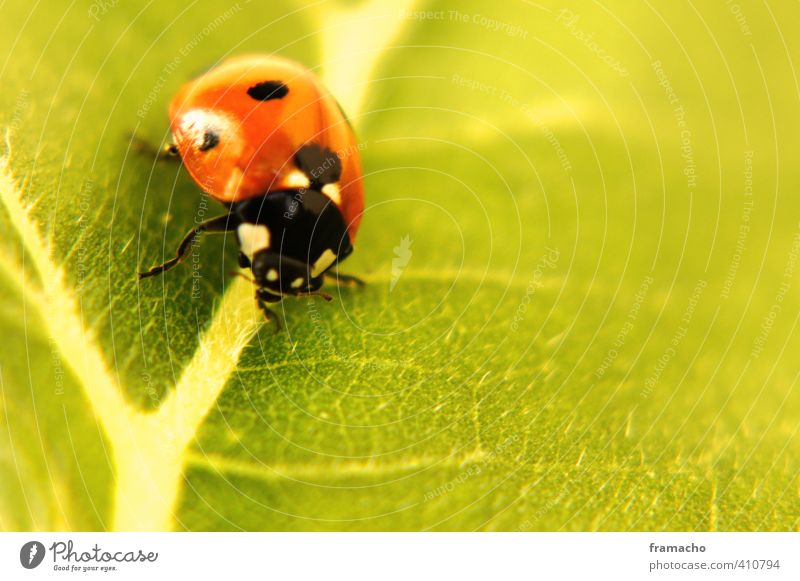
(323, 262)
(297, 283)
(272, 274)
(205, 129)
(297, 179)
(252, 238)
(332, 191)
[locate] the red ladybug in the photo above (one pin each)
(262, 135)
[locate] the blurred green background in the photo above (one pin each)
(590, 326)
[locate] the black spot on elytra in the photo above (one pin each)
(320, 164)
(210, 140)
(266, 90)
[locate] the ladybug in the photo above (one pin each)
(264, 137)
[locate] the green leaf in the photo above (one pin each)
(580, 245)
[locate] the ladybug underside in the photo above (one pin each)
(289, 239)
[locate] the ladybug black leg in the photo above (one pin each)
(328, 298)
(244, 262)
(345, 279)
(167, 153)
(220, 224)
(270, 316)
(263, 298)
(235, 273)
